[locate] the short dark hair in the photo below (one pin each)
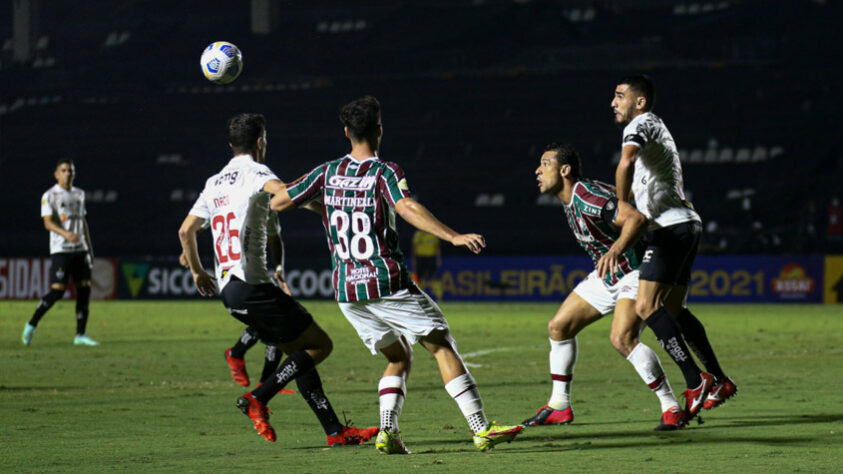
(63, 161)
(566, 155)
(362, 117)
(644, 86)
(244, 130)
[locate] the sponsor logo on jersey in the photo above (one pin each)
(351, 183)
(361, 275)
(402, 185)
(793, 281)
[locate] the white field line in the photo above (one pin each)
(483, 352)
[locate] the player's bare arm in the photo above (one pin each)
(88, 239)
(632, 224)
(187, 235)
(420, 218)
(625, 171)
(52, 226)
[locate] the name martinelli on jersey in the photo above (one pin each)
(341, 201)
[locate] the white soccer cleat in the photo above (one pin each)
(84, 340)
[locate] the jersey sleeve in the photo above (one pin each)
(260, 175)
(307, 188)
(393, 185)
(200, 208)
(609, 211)
(46, 205)
(634, 134)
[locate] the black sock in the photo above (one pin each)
(296, 364)
(310, 387)
(670, 338)
(83, 297)
(271, 359)
(248, 339)
(45, 304)
(694, 334)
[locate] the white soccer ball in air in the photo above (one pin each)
(221, 62)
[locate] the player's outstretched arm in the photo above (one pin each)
(420, 218)
(187, 235)
(632, 224)
(624, 173)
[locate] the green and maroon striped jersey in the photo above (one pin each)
(590, 213)
(358, 200)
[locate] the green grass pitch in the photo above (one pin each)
(157, 396)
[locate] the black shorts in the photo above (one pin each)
(426, 267)
(66, 265)
(275, 315)
(670, 252)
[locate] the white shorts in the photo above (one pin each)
(381, 322)
(604, 297)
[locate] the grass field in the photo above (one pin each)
(156, 396)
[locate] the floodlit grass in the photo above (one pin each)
(157, 396)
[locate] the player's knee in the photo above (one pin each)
(58, 286)
(644, 308)
(623, 341)
(560, 329)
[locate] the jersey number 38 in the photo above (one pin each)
(359, 243)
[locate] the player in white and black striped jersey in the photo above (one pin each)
(71, 252)
(650, 173)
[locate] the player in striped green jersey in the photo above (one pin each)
(360, 195)
(608, 231)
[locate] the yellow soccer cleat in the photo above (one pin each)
(390, 443)
(494, 435)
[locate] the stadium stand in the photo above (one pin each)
(471, 92)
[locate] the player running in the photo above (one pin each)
(236, 203)
(71, 252)
(601, 225)
(650, 172)
(360, 195)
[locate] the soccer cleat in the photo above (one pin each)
(28, 332)
(548, 416)
(721, 392)
(672, 419)
(351, 435)
(238, 369)
(84, 340)
(495, 434)
(388, 442)
(258, 413)
(695, 397)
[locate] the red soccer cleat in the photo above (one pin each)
(258, 413)
(672, 419)
(695, 397)
(548, 416)
(350, 436)
(721, 392)
(283, 391)
(238, 369)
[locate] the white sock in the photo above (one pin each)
(563, 356)
(391, 391)
(464, 391)
(649, 367)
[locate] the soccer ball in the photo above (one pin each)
(221, 62)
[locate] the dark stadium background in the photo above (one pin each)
(471, 91)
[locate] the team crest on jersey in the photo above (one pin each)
(351, 183)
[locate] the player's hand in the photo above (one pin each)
(608, 263)
(71, 237)
(279, 278)
(206, 285)
(183, 260)
(474, 242)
